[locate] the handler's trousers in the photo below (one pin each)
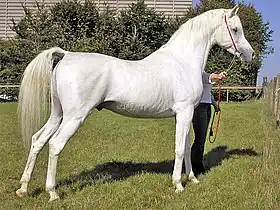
(201, 118)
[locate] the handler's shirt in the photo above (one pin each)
(206, 94)
(207, 86)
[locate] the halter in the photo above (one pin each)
(233, 43)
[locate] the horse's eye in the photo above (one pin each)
(235, 30)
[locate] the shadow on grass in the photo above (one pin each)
(114, 171)
(218, 154)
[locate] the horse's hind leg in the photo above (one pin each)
(66, 130)
(39, 139)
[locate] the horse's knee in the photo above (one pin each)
(188, 148)
(180, 153)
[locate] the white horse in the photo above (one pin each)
(166, 83)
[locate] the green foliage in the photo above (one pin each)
(144, 31)
(14, 55)
(132, 34)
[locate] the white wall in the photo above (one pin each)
(12, 9)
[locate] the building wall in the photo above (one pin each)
(12, 9)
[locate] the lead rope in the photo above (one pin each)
(213, 118)
(219, 115)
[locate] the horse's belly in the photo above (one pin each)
(139, 111)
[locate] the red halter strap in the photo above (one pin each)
(233, 43)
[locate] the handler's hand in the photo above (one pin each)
(221, 76)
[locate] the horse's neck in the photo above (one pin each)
(193, 41)
(193, 52)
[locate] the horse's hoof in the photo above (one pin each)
(53, 197)
(20, 193)
(179, 188)
(195, 180)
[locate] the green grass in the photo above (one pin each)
(114, 162)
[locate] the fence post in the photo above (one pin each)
(277, 91)
(275, 97)
(227, 95)
(264, 81)
(265, 88)
(270, 98)
(271, 93)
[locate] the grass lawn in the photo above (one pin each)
(114, 162)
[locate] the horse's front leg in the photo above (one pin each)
(184, 117)
(188, 164)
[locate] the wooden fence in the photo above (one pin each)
(8, 92)
(271, 96)
(229, 88)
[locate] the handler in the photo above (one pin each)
(201, 119)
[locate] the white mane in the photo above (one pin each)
(196, 26)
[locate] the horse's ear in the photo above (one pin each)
(234, 11)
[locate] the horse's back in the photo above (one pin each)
(148, 87)
(135, 88)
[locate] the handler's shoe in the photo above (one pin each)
(198, 169)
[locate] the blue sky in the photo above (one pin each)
(270, 12)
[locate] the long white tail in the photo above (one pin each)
(34, 93)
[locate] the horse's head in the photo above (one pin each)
(229, 35)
